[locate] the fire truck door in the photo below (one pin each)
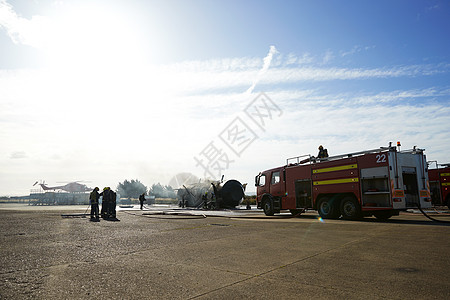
(410, 186)
(303, 193)
(275, 184)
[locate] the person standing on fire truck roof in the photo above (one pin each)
(322, 152)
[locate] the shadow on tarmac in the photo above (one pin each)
(366, 220)
(410, 222)
(399, 221)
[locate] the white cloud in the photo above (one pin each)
(328, 57)
(356, 49)
(291, 59)
(322, 74)
(306, 58)
(18, 155)
(432, 7)
(33, 32)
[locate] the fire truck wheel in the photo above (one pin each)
(327, 210)
(350, 209)
(382, 215)
(268, 207)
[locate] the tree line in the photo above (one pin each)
(133, 188)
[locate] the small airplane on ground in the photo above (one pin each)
(71, 187)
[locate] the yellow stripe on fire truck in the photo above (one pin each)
(335, 181)
(445, 174)
(445, 183)
(339, 168)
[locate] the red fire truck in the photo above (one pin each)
(378, 182)
(440, 184)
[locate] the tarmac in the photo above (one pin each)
(163, 252)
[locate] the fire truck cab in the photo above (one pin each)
(378, 182)
(440, 184)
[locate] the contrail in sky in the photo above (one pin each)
(267, 61)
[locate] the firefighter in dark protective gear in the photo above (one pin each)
(141, 200)
(106, 194)
(93, 198)
(205, 200)
(322, 152)
(183, 201)
(248, 204)
(112, 206)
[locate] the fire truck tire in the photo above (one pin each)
(383, 215)
(268, 207)
(327, 210)
(350, 209)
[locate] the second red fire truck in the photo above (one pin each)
(440, 184)
(379, 182)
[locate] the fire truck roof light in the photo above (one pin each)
(398, 144)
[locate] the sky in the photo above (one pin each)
(103, 91)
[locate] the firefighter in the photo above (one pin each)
(141, 200)
(93, 197)
(322, 152)
(105, 202)
(112, 205)
(205, 200)
(183, 200)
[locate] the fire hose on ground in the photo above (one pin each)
(429, 217)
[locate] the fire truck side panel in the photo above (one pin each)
(374, 181)
(344, 170)
(440, 185)
(375, 188)
(288, 202)
(336, 188)
(444, 178)
(335, 177)
(298, 187)
(435, 187)
(373, 160)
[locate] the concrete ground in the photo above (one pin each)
(228, 255)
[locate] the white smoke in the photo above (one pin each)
(23, 31)
(267, 60)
